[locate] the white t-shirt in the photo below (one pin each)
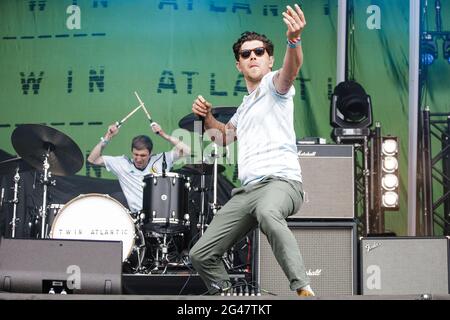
(265, 134)
(131, 178)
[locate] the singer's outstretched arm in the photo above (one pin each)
(227, 132)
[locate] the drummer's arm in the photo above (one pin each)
(95, 157)
(181, 148)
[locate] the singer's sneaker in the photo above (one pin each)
(303, 292)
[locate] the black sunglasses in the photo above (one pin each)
(245, 54)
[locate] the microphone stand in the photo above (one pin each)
(202, 180)
(215, 205)
(164, 165)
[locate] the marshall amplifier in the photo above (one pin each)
(328, 173)
(329, 251)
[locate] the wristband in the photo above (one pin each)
(104, 141)
(294, 43)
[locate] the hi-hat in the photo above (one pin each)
(10, 165)
(33, 141)
(197, 169)
(222, 114)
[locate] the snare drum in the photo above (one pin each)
(165, 202)
(95, 217)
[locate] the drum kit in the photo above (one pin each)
(152, 239)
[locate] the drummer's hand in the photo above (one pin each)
(156, 128)
(201, 107)
(112, 131)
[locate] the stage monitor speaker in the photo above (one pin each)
(329, 253)
(404, 265)
(58, 266)
(328, 181)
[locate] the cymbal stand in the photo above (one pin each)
(45, 182)
(15, 201)
(2, 197)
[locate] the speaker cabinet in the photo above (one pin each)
(328, 181)
(329, 253)
(51, 266)
(404, 265)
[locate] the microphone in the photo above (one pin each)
(164, 165)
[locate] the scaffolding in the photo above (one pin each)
(435, 174)
(362, 178)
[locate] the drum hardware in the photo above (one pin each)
(162, 259)
(16, 165)
(2, 199)
(53, 210)
(222, 114)
(46, 148)
(15, 201)
(140, 251)
(45, 181)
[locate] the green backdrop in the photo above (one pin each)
(74, 65)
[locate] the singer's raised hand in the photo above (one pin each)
(201, 107)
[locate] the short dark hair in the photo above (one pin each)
(142, 142)
(249, 36)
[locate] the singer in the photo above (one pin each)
(267, 157)
(131, 172)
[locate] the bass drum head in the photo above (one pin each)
(95, 217)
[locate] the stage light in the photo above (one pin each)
(389, 199)
(350, 107)
(446, 48)
(389, 181)
(390, 164)
(389, 173)
(389, 146)
(429, 51)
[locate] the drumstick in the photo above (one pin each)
(145, 109)
(119, 123)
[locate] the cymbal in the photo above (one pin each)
(10, 165)
(33, 141)
(222, 114)
(197, 169)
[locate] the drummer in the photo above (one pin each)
(131, 172)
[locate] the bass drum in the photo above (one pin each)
(95, 217)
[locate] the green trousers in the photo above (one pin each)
(266, 205)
